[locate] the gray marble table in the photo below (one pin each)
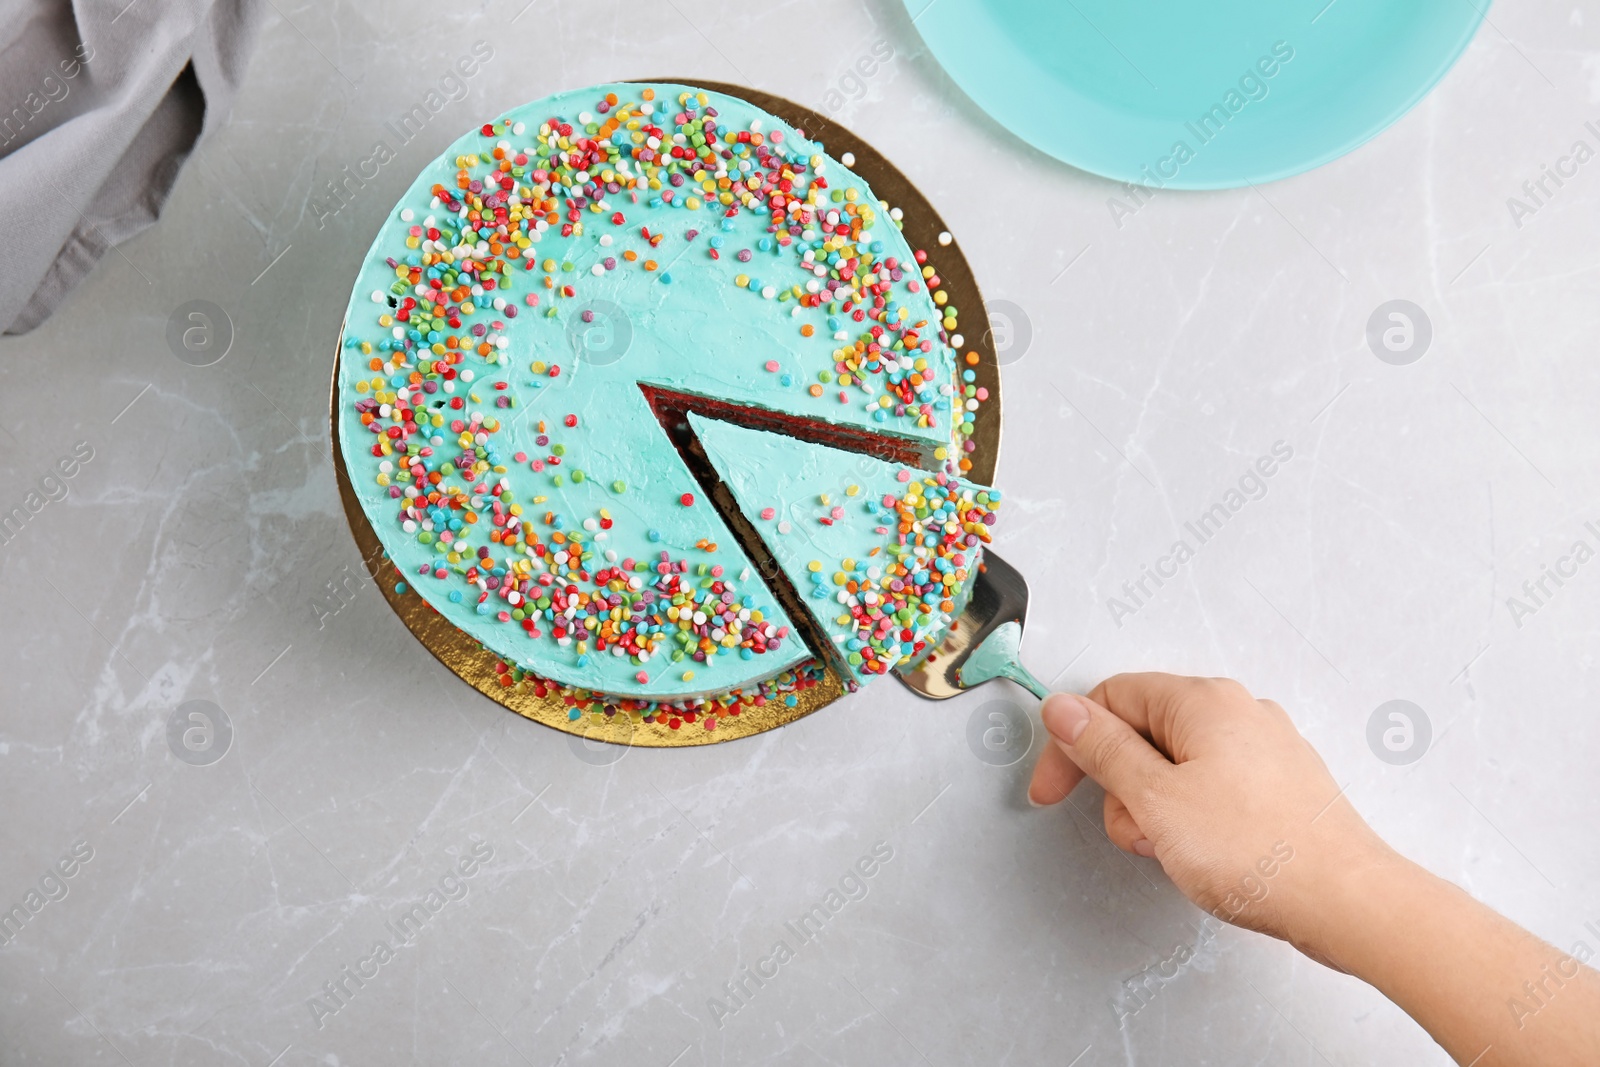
(222, 912)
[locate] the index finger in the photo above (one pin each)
(1179, 715)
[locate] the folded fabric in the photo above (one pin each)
(100, 104)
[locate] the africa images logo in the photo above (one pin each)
(1251, 486)
(53, 885)
(852, 886)
(1252, 86)
(399, 932)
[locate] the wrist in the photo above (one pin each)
(1361, 910)
(1450, 963)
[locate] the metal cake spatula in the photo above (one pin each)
(984, 642)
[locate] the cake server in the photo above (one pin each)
(985, 640)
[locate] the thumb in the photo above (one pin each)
(1105, 747)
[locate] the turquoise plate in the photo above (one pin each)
(1196, 95)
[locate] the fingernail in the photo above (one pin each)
(1144, 848)
(1065, 716)
(1032, 802)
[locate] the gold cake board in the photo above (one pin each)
(476, 666)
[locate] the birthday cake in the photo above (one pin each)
(601, 344)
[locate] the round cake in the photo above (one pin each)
(648, 395)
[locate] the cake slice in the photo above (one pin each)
(880, 554)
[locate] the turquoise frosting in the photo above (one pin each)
(832, 518)
(612, 488)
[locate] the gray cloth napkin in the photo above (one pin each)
(100, 104)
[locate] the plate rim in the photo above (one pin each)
(1064, 153)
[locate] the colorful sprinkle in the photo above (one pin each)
(439, 373)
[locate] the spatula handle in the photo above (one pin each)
(1023, 677)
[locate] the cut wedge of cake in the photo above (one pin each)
(881, 554)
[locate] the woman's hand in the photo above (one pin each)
(1218, 786)
(1247, 821)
